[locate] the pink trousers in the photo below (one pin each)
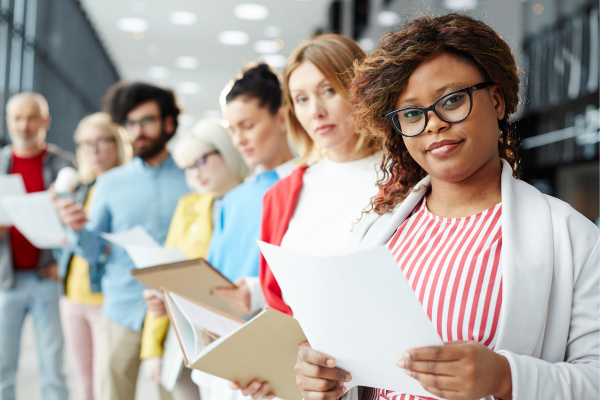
(81, 326)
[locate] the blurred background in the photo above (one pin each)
(71, 51)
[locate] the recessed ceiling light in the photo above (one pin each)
(132, 25)
(274, 60)
(189, 87)
(158, 72)
(367, 44)
(152, 50)
(251, 12)
(460, 4)
(272, 31)
(183, 18)
(187, 62)
(266, 46)
(233, 38)
(387, 18)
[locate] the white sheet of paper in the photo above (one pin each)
(10, 185)
(144, 257)
(143, 249)
(136, 236)
(36, 218)
(205, 318)
(357, 308)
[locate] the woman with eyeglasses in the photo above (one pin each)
(508, 276)
(99, 148)
(213, 167)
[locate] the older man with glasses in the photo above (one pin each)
(144, 192)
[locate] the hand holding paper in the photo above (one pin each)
(359, 310)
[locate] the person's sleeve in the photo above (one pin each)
(257, 299)
(173, 235)
(153, 335)
(578, 377)
(87, 242)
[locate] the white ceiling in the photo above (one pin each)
(163, 42)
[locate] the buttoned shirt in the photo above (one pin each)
(126, 196)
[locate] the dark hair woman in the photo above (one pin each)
(508, 276)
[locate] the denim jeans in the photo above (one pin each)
(40, 297)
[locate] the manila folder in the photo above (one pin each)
(193, 279)
(264, 349)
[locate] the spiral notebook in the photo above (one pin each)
(193, 278)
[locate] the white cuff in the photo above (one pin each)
(257, 298)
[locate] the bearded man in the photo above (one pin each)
(143, 192)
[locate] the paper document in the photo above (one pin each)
(143, 250)
(357, 308)
(10, 185)
(36, 218)
(264, 348)
(171, 361)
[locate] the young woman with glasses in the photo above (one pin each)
(213, 167)
(99, 149)
(508, 276)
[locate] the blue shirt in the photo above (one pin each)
(233, 250)
(126, 196)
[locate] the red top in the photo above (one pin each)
(279, 204)
(24, 254)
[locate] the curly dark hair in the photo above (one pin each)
(382, 75)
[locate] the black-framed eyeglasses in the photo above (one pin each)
(452, 107)
(143, 122)
(201, 162)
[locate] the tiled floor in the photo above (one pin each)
(28, 375)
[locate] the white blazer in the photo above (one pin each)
(550, 316)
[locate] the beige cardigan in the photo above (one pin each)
(550, 317)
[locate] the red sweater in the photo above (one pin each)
(279, 204)
(24, 254)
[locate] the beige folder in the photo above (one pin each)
(263, 349)
(194, 279)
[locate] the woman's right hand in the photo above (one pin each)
(155, 304)
(71, 214)
(317, 376)
(256, 390)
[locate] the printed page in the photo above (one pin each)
(357, 308)
(184, 328)
(36, 218)
(136, 236)
(10, 185)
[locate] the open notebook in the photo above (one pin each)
(264, 348)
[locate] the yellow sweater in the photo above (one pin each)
(190, 230)
(77, 284)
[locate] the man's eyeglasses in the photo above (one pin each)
(92, 145)
(143, 123)
(201, 162)
(453, 107)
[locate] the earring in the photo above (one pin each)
(501, 134)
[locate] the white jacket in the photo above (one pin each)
(549, 322)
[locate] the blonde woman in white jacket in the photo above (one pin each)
(508, 276)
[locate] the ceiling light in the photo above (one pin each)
(266, 46)
(387, 18)
(272, 31)
(274, 60)
(367, 44)
(187, 62)
(251, 12)
(183, 18)
(188, 87)
(460, 4)
(158, 72)
(152, 50)
(132, 24)
(233, 38)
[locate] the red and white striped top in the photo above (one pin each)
(453, 265)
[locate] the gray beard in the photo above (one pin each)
(27, 144)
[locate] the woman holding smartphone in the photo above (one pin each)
(508, 276)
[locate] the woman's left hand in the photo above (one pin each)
(459, 371)
(237, 298)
